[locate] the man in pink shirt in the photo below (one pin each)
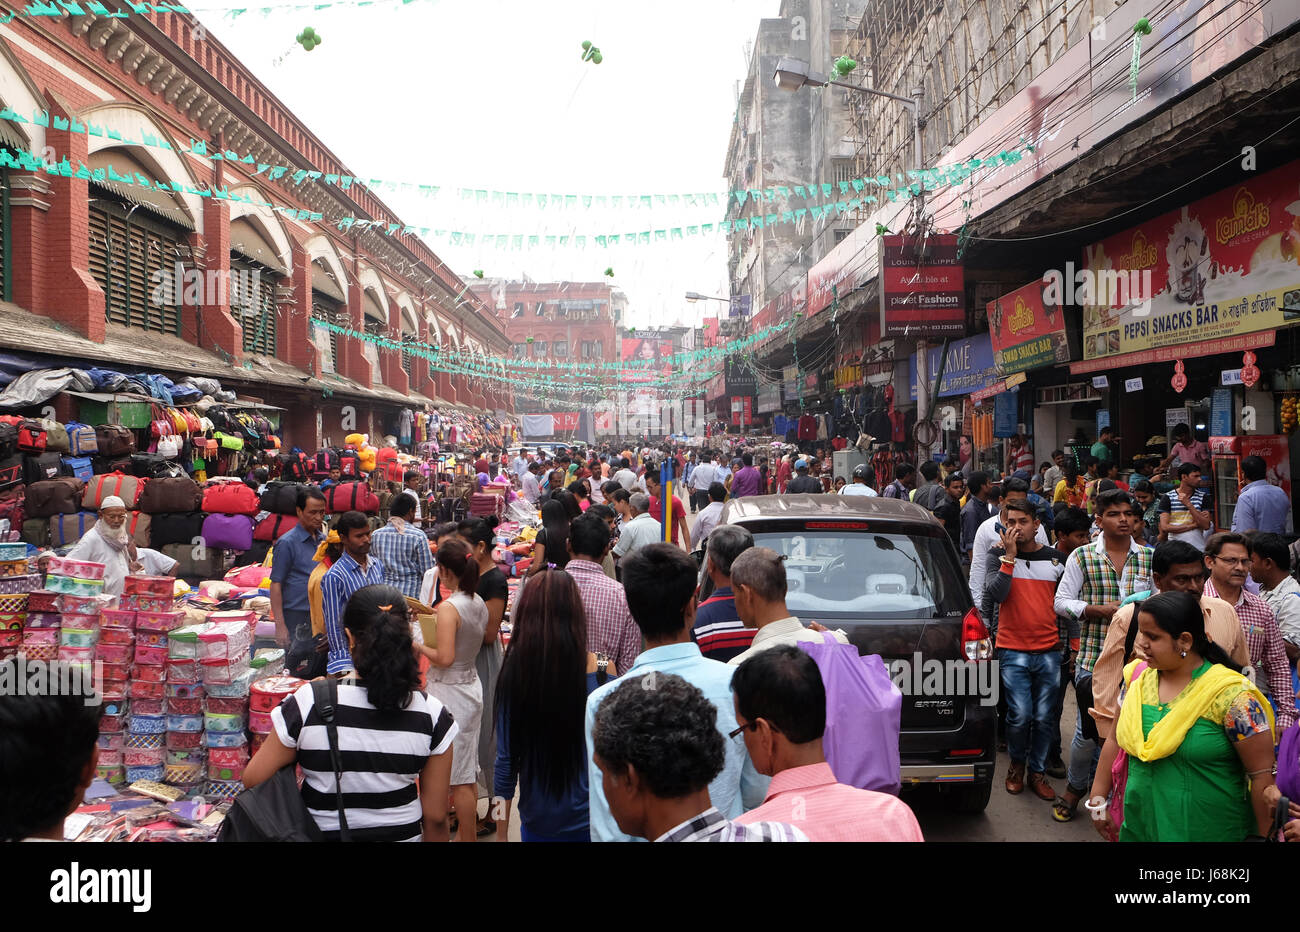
(781, 710)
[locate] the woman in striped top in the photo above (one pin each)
(390, 734)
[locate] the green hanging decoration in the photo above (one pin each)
(478, 273)
(843, 65)
(881, 229)
(1141, 28)
(609, 272)
(308, 38)
(591, 53)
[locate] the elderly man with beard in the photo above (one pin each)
(109, 543)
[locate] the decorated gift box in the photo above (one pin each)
(163, 586)
(177, 723)
(184, 671)
(237, 688)
(222, 789)
(43, 600)
(184, 706)
(184, 740)
(113, 671)
(112, 634)
(78, 637)
(145, 603)
(13, 584)
(14, 603)
(266, 694)
(117, 617)
(84, 622)
(137, 774)
(158, 621)
(13, 551)
(217, 673)
(149, 706)
(259, 723)
(80, 604)
(72, 585)
(146, 653)
(218, 705)
(13, 567)
(149, 673)
(111, 742)
(183, 690)
(139, 689)
(43, 620)
(76, 569)
(226, 642)
(224, 739)
(115, 653)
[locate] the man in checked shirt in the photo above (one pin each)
(1228, 561)
(1097, 578)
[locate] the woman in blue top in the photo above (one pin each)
(541, 700)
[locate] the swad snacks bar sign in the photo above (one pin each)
(1027, 332)
(1221, 267)
(923, 286)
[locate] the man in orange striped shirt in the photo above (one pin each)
(1021, 584)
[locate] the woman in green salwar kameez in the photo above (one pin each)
(1197, 733)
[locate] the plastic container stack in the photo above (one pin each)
(224, 649)
(266, 694)
(150, 599)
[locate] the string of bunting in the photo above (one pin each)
(512, 241)
(128, 8)
(928, 179)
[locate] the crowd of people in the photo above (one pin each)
(626, 708)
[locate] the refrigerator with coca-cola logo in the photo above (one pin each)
(1226, 454)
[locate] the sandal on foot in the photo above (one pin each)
(1063, 809)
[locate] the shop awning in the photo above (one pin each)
(249, 242)
(160, 203)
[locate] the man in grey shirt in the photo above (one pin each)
(976, 510)
(930, 493)
(625, 476)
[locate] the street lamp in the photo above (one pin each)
(792, 74)
(693, 297)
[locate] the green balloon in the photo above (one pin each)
(586, 46)
(596, 57)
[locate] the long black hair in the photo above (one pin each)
(1176, 612)
(542, 690)
(479, 531)
(456, 555)
(381, 633)
(555, 521)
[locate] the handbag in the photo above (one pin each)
(1119, 770)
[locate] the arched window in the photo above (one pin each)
(139, 252)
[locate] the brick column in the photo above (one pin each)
(390, 361)
(420, 381)
(211, 325)
(293, 324)
(60, 258)
(354, 365)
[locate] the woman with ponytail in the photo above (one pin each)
(390, 735)
(541, 705)
(552, 543)
(453, 679)
(1197, 733)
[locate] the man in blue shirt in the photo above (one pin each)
(354, 570)
(292, 562)
(659, 581)
(718, 629)
(402, 548)
(1261, 506)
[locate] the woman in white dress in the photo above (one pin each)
(452, 678)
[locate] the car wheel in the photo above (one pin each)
(969, 797)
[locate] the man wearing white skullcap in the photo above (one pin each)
(109, 543)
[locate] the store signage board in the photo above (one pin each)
(739, 377)
(1230, 377)
(1027, 333)
(1133, 385)
(848, 266)
(923, 286)
(1176, 416)
(1176, 353)
(741, 305)
(1221, 413)
(1103, 419)
(1018, 379)
(1100, 381)
(968, 367)
(1005, 408)
(1215, 269)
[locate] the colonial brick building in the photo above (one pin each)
(88, 264)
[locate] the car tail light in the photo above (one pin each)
(975, 639)
(966, 752)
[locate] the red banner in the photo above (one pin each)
(565, 421)
(1026, 334)
(922, 286)
(736, 404)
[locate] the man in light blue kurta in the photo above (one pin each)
(659, 581)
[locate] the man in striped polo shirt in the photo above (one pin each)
(1020, 583)
(718, 629)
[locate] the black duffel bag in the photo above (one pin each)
(178, 528)
(280, 498)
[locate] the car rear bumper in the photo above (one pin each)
(956, 772)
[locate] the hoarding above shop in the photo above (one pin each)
(1026, 332)
(739, 377)
(769, 399)
(1223, 267)
(968, 368)
(922, 287)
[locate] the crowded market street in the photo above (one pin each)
(780, 421)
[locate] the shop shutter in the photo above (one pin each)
(325, 308)
(124, 257)
(252, 295)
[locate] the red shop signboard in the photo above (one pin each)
(923, 286)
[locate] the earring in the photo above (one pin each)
(1184, 653)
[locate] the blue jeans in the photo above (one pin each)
(1084, 752)
(526, 836)
(1030, 682)
(1058, 709)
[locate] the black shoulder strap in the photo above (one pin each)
(1131, 638)
(326, 694)
(602, 666)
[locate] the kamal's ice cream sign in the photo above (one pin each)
(1224, 267)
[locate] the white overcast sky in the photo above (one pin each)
(493, 94)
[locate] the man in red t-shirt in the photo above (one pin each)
(681, 533)
(482, 464)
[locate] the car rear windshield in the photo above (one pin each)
(873, 575)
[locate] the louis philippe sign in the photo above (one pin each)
(922, 286)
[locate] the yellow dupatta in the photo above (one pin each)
(1166, 735)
